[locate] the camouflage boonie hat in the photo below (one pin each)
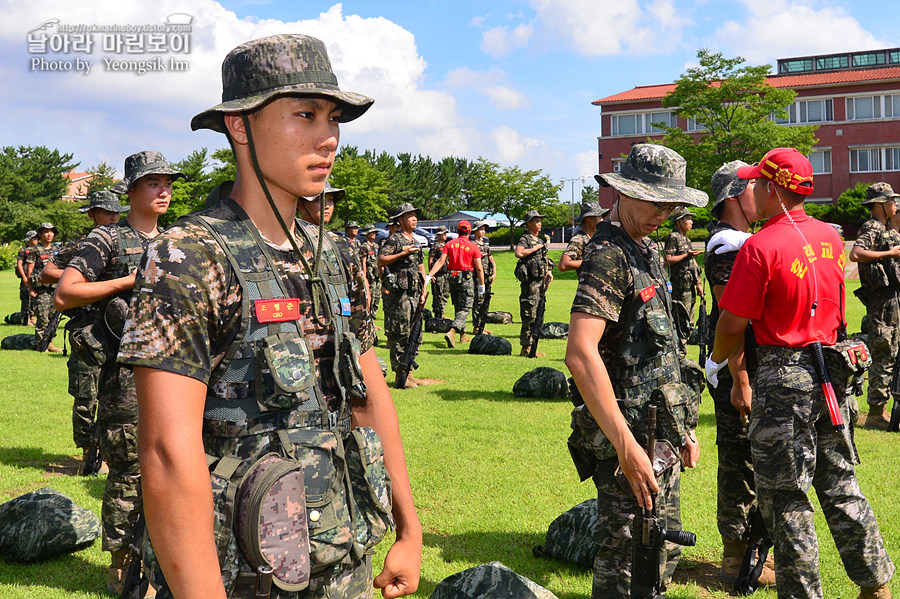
(367, 229)
(441, 229)
(119, 188)
(352, 225)
(288, 64)
(880, 192)
(30, 235)
(46, 226)
(403, 209)
(680, 213)
(654, 173)
(530, 215)
(142, 164)
(332, 193)
(590, 209)
(105, 200)
(726, 184)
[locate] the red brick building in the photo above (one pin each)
(854, 98)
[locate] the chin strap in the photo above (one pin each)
(318, 286)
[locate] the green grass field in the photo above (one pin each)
(489, 471)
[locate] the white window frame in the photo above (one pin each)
(826, 161)
(617, 164)
(798, 111)
(877, 102)
(643, 122)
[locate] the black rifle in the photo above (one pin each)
(758, 544)
(894, 425)
(483, 309)
(92, 461)
(408, 359)
(49, 332)
(538, 322)
(264, 575)
(135, 583)
(649, 534)
(702, 329)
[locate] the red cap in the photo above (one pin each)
(463, 226)
(786, 167)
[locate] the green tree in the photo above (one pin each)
(733, 106)
(34, 175)
(103, 176)
(189, 194)
(367, 197)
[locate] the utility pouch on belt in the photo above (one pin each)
(347, 370)
(678, 411)
(847, 362)
(370, 486)
(521, 272)
(93, 339)
(587, 443)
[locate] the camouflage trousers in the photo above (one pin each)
(794, 446)
(25, 301)
(477, 305)
(683, 301)
(736, 489)
(84, 379)
(883, 326)
(42, 307)
(398, 312)
(616, 511)
(462, 290)
(375, 293)
(440, 294)
(529, 298)
(117, 414)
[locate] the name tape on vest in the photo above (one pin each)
(277, 310)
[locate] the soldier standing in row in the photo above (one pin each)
(84, 371)
(351, 230)
(684, 272)
(877, 250)
(623, 352)
(534, 272)
(42, 299)
(368, 258)
(590, 214)
(25, 290)
(789, 280)
(479, 230)
(102, 275)
(463, 258)
(402, 283)
(210, 391)
(440, 284)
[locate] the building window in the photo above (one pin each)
(868, 59)
(666, 118)
(617, 164)
(864, 107)
(693, 125)
(865, 160)
(625, 124)
(892, 106)
(892, 159)
(821, 161)
(637, 124)
(894, 56)
(809, 111)
(832, 62)
(795, 66)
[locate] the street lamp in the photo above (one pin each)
(572, 183)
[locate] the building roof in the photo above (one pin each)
(656, 92)
(77, 176)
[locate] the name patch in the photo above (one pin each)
(648, 293)
(277, 310)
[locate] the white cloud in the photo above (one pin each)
(491, 84)
(769, 32)
(506, 98)
(503, 41)
(511, 146)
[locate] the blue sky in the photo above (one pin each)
(510, 81)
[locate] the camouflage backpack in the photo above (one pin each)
(570, 537)
(542, 382)
(15, 318)
(438, 325)
(555, 330)
(489, 581)
(38, 525)
(19, 341)
(489, 345)
(499, 318)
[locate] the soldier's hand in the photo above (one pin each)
(741, 396)
(32, 293)
(639, 471)
(895, 251)
(690, 451)
(402, 568)
(411, 249)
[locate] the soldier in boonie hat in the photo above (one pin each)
(143, 164)
(441, 229)
(530, 215)
(590, 209)
(405, 208)
(654, 173)
(104, 200)
(368, 229)
(30, 235)
(880, 192)
(590, 214)
(726, 184)
(46, 226)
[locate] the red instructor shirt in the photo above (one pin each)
(461, 254)
(778, 275)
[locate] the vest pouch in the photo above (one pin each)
(331, 528)
(659, 327)
(521, 272)
(535, 268)
(588, 437)
(348, 371)
(270, 520)
(873, 275)
(370, 486)
(93, 339)
(285, 369)
(679, 411)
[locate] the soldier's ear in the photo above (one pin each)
(235, 126)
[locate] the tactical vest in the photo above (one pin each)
(263, 397)
(534, 265)
(113, 310)
(485, 246)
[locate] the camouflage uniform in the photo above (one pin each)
(24, 296)
(735, 484)
(187, 288)
(684, 276)
(111, 252)
(42, 303)
(484, 245)
(440, 282)
(401, 289)
(369, 251)
(575, 249)
(638, 362)
(882, 300)
(84, 373)
(537, 265)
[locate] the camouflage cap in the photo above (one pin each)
(726, 184)
(105, 200)
(143, 164)
(441, 230)
(530, 215)
(46, 226)
(478, 224)
(331, 193)
(367, 229)
(30, 235)
(403, 209)
(880, 192)
(654, 173)
(681, 212)
(288, 64)
(352, 225)
(590, 209)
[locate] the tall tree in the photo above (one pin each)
(733, 106)
(103, 176)
(367, 196)
(189, 194)
(34, 175)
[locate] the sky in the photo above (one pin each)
(510, 81)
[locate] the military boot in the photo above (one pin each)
(463, 338)
(53, 349)
(732, 558)
(878, 418)
(115, 578)
(879, 592)
(450, 337)
(767, 576)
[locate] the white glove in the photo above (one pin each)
(427, 279)
(712, 371)
(481, 290)
(727, 241)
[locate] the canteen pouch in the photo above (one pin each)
(521, 272)
(370, 486)
(536, 268)
(270, 520)
(678, 411)
(284, 371)
(95, 347)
